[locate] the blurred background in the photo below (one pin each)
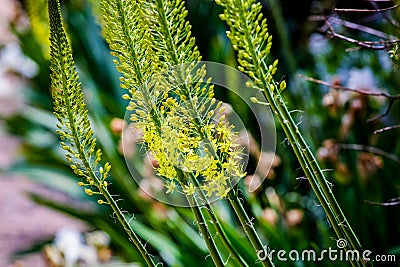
(47, 220)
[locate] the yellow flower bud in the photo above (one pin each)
(88, 191)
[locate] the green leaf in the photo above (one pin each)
(53, 177)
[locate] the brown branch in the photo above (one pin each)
(388, 128)
(380, 45)
(392, 98)
(390, 203)
(391, 101)
(351, 25)
(359, 91)
(365, 10)
(386, 16)
(327, 28)
(376, 45)
(369, 149)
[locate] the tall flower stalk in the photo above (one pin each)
(248, 33)
(183, 125)
(177, 48)
(74, 126)
(124, 25)
(175, 110)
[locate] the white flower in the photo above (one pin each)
(70, 243)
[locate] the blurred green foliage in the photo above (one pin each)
(285, 210)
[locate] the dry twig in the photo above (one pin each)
(391, 202)
(391, 98)
(351, 25)
(388, 128)
(344, 88)
(375, 45)
(369, 149)
(365, 10)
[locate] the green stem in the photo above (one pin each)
(248, 227)
(100, 186)
(201, 222)
(68, 76)
(127, 227)
(300, 147)
(309, 164)
(218, 226)
(224, 238)
(315, 177)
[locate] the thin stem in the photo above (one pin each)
(201, 222)
(218, 226)
(224, 238)
(127, 227)
(385, 15)
(313, 172)
(248, 227)
(61, 53)
(310, 166)
(391, 98)
(334, 212)
(393, 202)
(351, 25)
(355, 90)
(100, 186)
(205, 232)
(278, 107)
(317, 182)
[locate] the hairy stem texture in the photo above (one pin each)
(249, 36)
(74, 125)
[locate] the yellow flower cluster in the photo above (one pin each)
(185, 150)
